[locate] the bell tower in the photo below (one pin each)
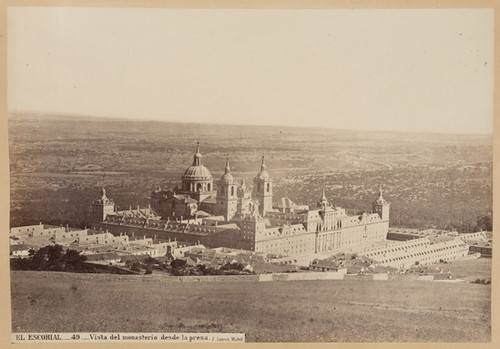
(227, 194)
(263, 189)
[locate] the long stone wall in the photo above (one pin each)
(418, 251)
(305, 276)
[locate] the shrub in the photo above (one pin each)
(233, 266)
(151, 260)
(178, 263)
(135, 266)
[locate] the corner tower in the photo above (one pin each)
(227, 194)
(263, 189)
(102, 207)
(326, 213)
(381, 206)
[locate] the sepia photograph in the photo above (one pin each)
(257, 175)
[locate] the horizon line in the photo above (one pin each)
(136, 119)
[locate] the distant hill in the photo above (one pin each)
(203, 129)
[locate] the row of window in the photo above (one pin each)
(197, 187)
(432, 258)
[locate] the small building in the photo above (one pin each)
(21, 250)
(485, 248)
(326, 265)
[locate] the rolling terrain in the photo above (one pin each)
(58, 163)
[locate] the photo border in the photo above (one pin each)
(234, 4)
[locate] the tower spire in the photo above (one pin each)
(263, 166)
(197, 155)
(380, 192)
(227, 169)
(323, 202)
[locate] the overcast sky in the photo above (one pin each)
(409, 70)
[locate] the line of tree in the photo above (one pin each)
(54, 258)
(51, 258)
(179, 267)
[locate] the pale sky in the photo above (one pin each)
(408, 70)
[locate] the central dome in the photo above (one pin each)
(198, 172)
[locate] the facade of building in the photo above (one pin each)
(234, 217)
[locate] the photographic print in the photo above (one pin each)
(250, 175)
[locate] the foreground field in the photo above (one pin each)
(468, 270)
(305, 311)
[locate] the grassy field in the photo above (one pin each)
(469, 270)
(305, 311)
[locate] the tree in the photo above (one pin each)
(150, 260)
(135, 266)
(73, 260)
(485, 223)
(232, 266)
(54, 254)
(178, 263)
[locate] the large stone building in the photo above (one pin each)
(232, 216)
